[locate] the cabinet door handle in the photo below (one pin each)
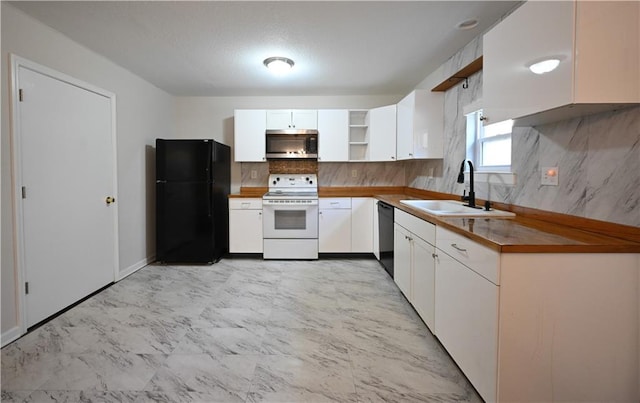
(455, 246)
(434, 255)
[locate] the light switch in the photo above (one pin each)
(354, 173)
(254, 174)
(549, 176)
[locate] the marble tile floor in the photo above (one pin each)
(242, 330)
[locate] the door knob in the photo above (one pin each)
(110, 200)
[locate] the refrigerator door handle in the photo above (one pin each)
(210, 199)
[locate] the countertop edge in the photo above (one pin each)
(607, 244)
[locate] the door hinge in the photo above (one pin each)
(26, 287)
(20, 98)
(24, 192)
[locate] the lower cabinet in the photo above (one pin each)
(245, 225)
(467, 321)
(362, 219)
(334, 225)
(345, 225)
(413, 263)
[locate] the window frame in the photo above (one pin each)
(476, 139)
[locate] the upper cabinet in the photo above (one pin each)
(420, 126)
(597, 45)
(372, 134)
(292, 119)
(333, 137)
(249, 135)
(382, 133)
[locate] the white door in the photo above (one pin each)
(66, 159)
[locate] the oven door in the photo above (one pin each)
(281, 221)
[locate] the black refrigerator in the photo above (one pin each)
(193, 180)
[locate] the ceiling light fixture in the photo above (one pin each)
(544, 66)
(278, 65)
(467, 24)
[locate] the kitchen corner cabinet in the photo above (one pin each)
(382, 133)
(414, 265)
(420, 126)
(249, 135)
(245, 225)
(334, 225)
(597, 43)
(358, 135)
(292, 119)
(333, 138)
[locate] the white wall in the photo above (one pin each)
(143, 113)
(212, 117)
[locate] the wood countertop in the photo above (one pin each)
(531, 231)
(522, 234)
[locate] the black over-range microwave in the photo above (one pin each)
(292, 143)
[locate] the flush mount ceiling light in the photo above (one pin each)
(467, 24)
(278, 65)
(544, 66)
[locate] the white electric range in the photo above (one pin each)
(290, 217)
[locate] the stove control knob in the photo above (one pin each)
(310, 182)
(278, 179)
(307, 179)
(274, 182)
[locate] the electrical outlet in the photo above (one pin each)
(431, 172)
(549, 176)
(354, 173)
(254, 174)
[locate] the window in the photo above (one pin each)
(489, 147)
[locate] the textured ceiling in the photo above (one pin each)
(216, 48)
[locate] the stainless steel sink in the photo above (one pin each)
(453, 208)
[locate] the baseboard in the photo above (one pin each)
(10, 335)
(135, 267)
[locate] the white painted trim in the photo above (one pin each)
(18, 225)
(135, 267)
(11, 335)
(494, 178)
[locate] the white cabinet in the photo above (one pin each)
(413, 263)
(245, 225)
(466, 308)
(420, 126)
(334, 225)
(423, 282)
(333, 135)
(362, 224)
(598, 48)
(402, 259)
(382, 133)
(358, 135)
(372, 134)
(292, 119)
(249, 135)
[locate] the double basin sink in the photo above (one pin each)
(453, 208)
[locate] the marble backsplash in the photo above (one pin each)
(598, 158)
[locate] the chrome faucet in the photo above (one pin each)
(472, 194)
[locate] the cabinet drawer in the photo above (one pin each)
(482, 260)
(419, 227)
(334, 202)
(245, 204)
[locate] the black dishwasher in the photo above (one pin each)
(385, 235)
